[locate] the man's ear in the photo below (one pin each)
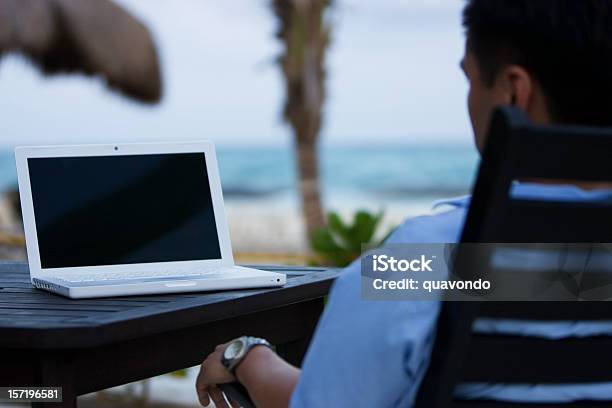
(518, 85)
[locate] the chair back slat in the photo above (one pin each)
(567, 311)
(580, 153)
(543, 221)
(490, 404)
(528, 360)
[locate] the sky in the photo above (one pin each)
(393, 77)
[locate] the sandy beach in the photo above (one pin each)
(275, 229)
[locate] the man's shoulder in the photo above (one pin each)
(444, 226)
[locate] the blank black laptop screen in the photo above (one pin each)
(123, 209)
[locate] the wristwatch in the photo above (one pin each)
(237, 350)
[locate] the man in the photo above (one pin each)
(551, 58)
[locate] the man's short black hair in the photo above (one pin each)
(566, 45)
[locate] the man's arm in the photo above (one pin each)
(269, 379)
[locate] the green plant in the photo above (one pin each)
(179, 373)
(339, 243)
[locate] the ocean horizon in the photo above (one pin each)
(376, 174)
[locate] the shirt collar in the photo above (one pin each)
(462, 202)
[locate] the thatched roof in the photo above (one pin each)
(95, 37)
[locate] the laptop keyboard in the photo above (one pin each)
(112, 276)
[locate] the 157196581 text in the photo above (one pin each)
(30, 394)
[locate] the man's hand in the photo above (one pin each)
(212, 372)
(268, 379)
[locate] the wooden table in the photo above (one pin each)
(92, 344)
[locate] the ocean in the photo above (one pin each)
(377, 175)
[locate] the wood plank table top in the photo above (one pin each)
(35, 319)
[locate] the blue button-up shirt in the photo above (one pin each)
(375, 354)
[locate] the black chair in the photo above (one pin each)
(518, 150)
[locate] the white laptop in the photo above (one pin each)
(129, 219)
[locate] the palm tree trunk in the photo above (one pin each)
(305, 36)
(308, 169)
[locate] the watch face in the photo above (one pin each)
(233, 349)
